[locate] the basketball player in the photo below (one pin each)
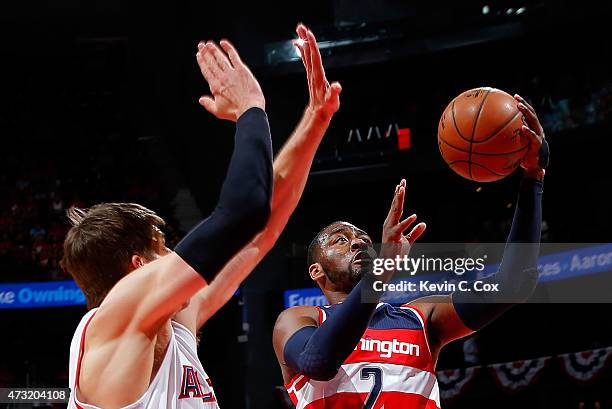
(136, 347)
(358, 354)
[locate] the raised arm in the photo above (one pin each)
(462, 313)
(121, 336)
(291, 168)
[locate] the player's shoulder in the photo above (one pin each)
(298, 313)
(425, 306)
(289, 321)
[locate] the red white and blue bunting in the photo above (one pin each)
(517, 375)
(512, 377)
(586, 365)
(453, 381)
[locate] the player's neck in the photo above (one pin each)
(335, 297)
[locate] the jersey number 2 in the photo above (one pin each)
(376, 373)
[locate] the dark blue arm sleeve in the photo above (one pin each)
(518, 274)
(244, 203)
(319, 352)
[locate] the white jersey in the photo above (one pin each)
(180, 382)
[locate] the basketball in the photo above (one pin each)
(479, 135)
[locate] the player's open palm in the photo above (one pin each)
(394, 241)
(234, 88)
(324, 98)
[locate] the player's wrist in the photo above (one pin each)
(319, 113)
(534, 173)
(256, 103)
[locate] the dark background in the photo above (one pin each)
(99, 103)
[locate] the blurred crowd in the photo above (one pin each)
(559, 112)
(35, 195)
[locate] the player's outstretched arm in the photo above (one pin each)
(120, 339)
(318, 352)
(291, 168)
(461, 313)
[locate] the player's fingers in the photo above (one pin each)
(530, 117)
(525, 106)
(392, 209)
(316, 60)
(401, 196)
(302, 47)
(404, 224)
(335, 89)
(209, 76)
(299, 44)
(306, 53)
(233, 55)
(395, 211)
(200, 59)
(302, 31)
(220, 57)
(209, 104)
(531, 135)
(416, 232)
(212, 72)
(522, 100)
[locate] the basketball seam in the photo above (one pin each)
(483, 153)
(459, 132)
(484, 99)
(477, 164)
(494, 134)
(455, 123)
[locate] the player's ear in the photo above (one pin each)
(316, 271)
(137, 262)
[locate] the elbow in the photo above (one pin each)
(320, 372)
(519, 289)
(261, 213)
(318, 366)
(257, 212)
(529, 283)
(324, 376)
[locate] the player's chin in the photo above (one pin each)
(358, 269)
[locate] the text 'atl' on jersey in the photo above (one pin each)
(180, 382)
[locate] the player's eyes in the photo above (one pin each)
(340, 239)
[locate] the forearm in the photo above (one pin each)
(517, 275)
(293, 163)
(523, 243)
(291, 168)
(244, 203)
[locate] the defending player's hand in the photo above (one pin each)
(536, 159)
(394, 241)
(234, 88)
(324, 98)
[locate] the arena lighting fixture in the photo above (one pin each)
(485, 9)
(521, 10)
(299, 42)
(285, 51)
(509, 11)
